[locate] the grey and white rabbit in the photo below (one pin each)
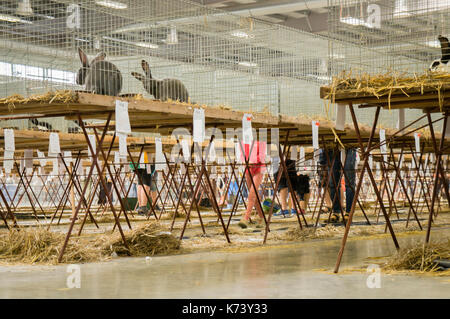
(99, 76)
(162, 89)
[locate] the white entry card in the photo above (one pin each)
(212, 153)
(122, 118)
(199, 125)
(8, 161)
(9, 140)
(186, 152)
(54, 147)
(159, 156)
(340, 117)
(42, 159)
(294, 153)
(122, 144)
(315, 134)
(247, 133)
(417, 140)
(383, 147)
(68, 157)
(28, 156)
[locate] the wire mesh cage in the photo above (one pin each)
(211, 57)
(383, 37)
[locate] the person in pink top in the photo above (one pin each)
(257, 168)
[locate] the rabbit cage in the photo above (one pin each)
(381, 37)
(220, 58)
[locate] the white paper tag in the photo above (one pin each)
(159, 156)
(122, 118)
(68, 157)
(93, 144)
(294, 153)
(42, 159)
(212, 153)
(80, 170)
(383, 146)
(199, 125)
(8, 161)
(237, 153)
(28, 157)
(54, 147)
(340, 117)
(9, 140)
(122, 144)
(417, 140)
(358, 159)
(54, 159)
(247, 132)
(116, 160)
(370, 161)
(185, 142)
(302, 155)
(315, 134)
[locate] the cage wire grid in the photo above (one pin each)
(379, 37)
(221, 59)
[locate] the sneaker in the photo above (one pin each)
(293, 212)
(283, 212)
(243, 223)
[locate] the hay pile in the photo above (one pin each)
(42, 246)
(388, 84)
(38, 245)
(62, 96)
(309, 233)
(147, 240)
(419, 257)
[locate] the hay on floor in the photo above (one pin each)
(38, 245)
(419, 257)
(309, 233)
(148, 240)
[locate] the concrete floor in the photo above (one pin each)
(301, 270)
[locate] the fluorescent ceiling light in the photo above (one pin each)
(241, 34)
(147, 45)
(82, 40)
(134, 27)
(433, 44)
(140, 44)
(249, 64)
(112, 4)
(9, 18)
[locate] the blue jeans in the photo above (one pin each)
(335, 189)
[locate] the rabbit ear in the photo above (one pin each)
(83, 58)
(445, 48)
(146, 68)
(100, 57)
(138, 76)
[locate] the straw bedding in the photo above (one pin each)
(419, 256)
(147, 240)
(388, 84)
(38, 245)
